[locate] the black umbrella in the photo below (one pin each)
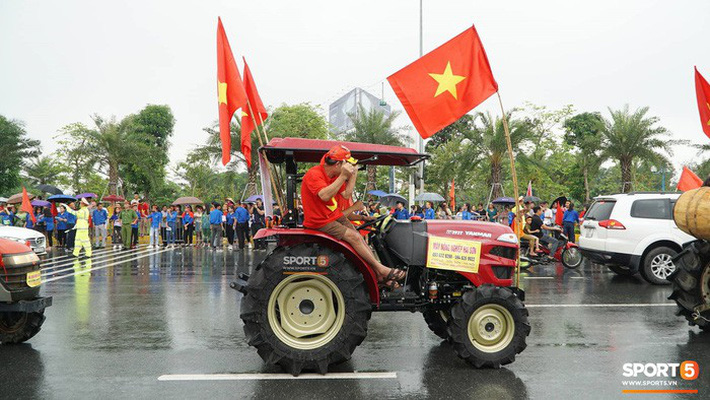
(560, 200)
(49, 189)
(533, 199)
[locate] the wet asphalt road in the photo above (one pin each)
(126, 318)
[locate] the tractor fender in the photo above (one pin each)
(294, 236)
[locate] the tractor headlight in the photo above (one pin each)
(20, 259)
(508, 238)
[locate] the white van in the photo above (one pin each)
(633, 232)
(31, 238)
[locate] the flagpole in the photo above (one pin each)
(515, 180)
(261, 143)
(266, 140)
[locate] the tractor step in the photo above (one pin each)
(240, 285)
(399, 300)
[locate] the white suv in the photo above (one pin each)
(633, 232)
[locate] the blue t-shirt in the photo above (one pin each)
(401, 214)
(138, 215)
(466, 215)
(99, 217)
(71, 219)
(62, 225)
(230, 218)
(155, 218)
(172, 217)
(5, 218)
(49, 222)
(187, 219)
(215, 217)
(429, 213)
(242, 215)
(571, 216)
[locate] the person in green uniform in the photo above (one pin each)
(128, 217)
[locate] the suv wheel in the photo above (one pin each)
(658, 265)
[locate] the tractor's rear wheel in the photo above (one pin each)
(305, 318)
(691, 283)
(437, 320)
(488, 326)
(18, 327)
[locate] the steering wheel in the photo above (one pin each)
(373, 222)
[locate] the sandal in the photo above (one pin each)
(391, 285)
(394, 275)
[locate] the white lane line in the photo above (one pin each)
(253, 377)
(83, 271)
(95, 256)
(107, 258)
(538, 277)
(607, 305)
(53, 260)
(578, 277)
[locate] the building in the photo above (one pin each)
(348, 104)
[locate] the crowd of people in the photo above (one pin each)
(166, 225)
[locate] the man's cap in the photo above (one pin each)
(84, 201)
(339, 153)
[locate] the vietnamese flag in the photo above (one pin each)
(27, 206)
(443, 85)
(452, 196)
(230, 90)
(257, 106)
(688, 180)
(702, 90)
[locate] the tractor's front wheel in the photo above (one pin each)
(488, 326)
(306, 307)
(18, 327)
(691, 284)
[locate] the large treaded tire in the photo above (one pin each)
(273, 350)
(437, 323)
(687, 283)
(486, 296)
(20, 327)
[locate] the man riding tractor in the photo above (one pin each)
(307, 305)
(319, 194)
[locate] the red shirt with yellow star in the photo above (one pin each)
(316, 212)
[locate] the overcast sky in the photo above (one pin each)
(61, 61)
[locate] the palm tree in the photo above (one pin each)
(373, 126)
(630, 136)
(492, 147)
(44, 170)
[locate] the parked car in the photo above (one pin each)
(29, 237)
(633, 232)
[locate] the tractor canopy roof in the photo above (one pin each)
(312, 150)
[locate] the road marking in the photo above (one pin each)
(83, 271)
(607, 305)
(70, 260)
(104, 258)
(52, 260)
(578, 277)
(253, 377)
(538, 277)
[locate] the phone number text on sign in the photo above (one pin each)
(453, 254)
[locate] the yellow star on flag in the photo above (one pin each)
(447, 81)
(222, 86)
(708, 104)
(244, 114)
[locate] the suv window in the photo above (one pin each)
(600, 210)
(652, 208)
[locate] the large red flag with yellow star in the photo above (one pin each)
(445, 84)
(230, 89)
(702, 89)
(255, 105)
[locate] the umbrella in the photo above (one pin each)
(187, 201)
(3, 199)
(63, 198)
(377, 193)
(112, 198)
(533, 199)
(429, 197)
(87, 195)
(40, 203)
(17, 198)
(560, 200)
(254, 198)
(49, 189)
(503, 200)
(391, 200)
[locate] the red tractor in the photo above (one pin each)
(307, 305)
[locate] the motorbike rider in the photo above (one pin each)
(537, 224)
(321, 187)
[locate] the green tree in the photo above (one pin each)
(299, 120)
(459, 129)
(584, 132)
(633, 136)
(373, 126)
(46, 170)
(16, 149)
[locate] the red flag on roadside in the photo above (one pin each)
(452, 196)
(27, 206)
(529, 192)
(256, 106)
(559, 214)
(688, 180)
(443, 85)
(54, 210)
(230, 90)
(702, 89)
